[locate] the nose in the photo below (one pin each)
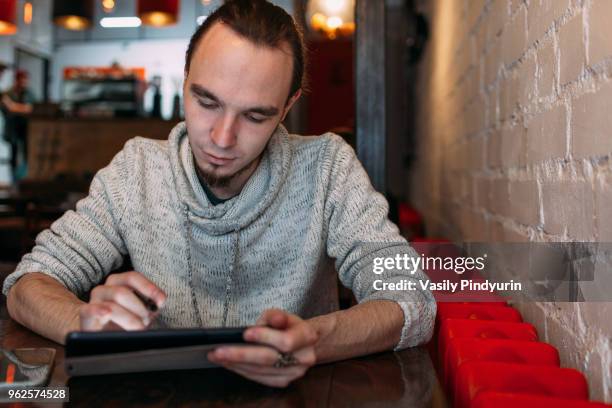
(223, 133)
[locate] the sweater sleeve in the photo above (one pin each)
(360, 232)
(82, 246)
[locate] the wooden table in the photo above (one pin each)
(403, 379)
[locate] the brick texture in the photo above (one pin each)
(546, 135)
(603, 200)
(524, 202)
(592, 123)
(572, 49)
(600, 46)
(547, 68)
(542, 15)
(515, 39)
(518, 145)
(568, 208)
(512, 146)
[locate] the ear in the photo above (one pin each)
(290, 102)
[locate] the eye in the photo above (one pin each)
(255, 118)
(207, 105)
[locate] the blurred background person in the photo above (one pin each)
(17, 106)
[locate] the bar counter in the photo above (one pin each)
(83, 146)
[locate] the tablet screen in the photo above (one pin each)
(108, 342)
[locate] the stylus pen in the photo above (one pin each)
(149, 304)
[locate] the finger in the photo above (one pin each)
(123, 296)
(123, 317)
(296, 337)
(274, 318)
(137, 281)
(93, 317)
(261, 355)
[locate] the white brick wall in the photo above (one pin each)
(515, 143)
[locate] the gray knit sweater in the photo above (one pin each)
(307, 211)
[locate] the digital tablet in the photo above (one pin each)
(113, 352)
(111, 342)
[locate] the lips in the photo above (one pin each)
(218, 160)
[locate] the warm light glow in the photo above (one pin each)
(7, 28)
(334, 22)
(331, 17)
(158, 19)
(206, 2)
(334, 6)
(347, 28)
(318, 21)
(27, 13)
(75, 23)
(108, 5)
(8, 17)
(158, 13)
(120, 22)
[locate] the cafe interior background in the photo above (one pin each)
(480, 120)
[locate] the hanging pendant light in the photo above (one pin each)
(73, 15)
(158, 13)
(108, 6)
(8, 17)
(331, 17)
(28, 11)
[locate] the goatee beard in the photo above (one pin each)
(213, 180)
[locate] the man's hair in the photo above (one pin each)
(262, 23)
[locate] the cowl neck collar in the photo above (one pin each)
(240, 211)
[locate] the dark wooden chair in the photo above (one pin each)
(13, 225)
(32, 206)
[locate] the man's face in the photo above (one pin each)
(235, 96)
(22, 81)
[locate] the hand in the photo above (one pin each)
(6, 101)
(277, 331)
(114, 305)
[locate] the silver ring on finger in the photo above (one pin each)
(285, 360)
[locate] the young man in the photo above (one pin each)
(231, 222)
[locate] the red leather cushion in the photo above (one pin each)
(478, 376)
(462, 350)
(490, 399)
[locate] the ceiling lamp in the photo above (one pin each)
(108, 6)
(158, 13)
(333, 18)
(27, 13)
(73, 15)
(8, 17)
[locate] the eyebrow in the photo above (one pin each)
(202, 92)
